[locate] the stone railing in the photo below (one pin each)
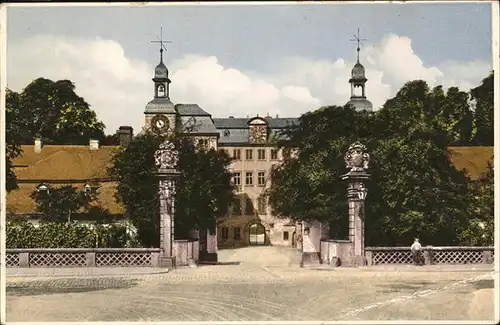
(185, 252)
(82, 257)
(431, 255)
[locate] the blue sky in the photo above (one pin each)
(246, 59)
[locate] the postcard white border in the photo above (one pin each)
(3, 83)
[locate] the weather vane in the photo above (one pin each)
(161, 41)
(359, 41)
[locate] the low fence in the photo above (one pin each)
(431, 254)
(184, 251)
(81, 257)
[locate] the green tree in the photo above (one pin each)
(414, 189)
(483, 113)
(481, 230)
(13, 133)
(203, 191)
(53, 111)
(62, 201)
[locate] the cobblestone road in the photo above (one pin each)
(264, 283)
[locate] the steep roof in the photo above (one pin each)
(194, 120)
(473, 159)
(190, 110)
(20, 202)
(242, 123)
(66, 165)
(63, 162)
(234, 131)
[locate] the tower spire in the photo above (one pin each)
(358, 81)
(161, 80)
(359, 41)
(161, 41)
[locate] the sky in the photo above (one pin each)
(244, 60)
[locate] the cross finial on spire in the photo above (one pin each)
(161, 41)
(358, 40)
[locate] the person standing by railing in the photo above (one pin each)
(416, 249)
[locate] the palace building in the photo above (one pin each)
(250, 141)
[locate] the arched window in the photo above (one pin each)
(161, 90)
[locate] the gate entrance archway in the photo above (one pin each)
(256, 234)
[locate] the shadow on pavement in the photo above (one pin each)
(220, 263)
(404, 286)
(67, 285)
(484, 284)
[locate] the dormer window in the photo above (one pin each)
(43, 188)
(226, 133)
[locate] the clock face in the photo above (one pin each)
(160, 123)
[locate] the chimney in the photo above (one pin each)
(93, 144)
(231, 116)
(125, 134)
(38, 145)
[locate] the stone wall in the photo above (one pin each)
(186, 252)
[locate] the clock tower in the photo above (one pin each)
(160, 113)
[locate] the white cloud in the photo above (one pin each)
(118, 87)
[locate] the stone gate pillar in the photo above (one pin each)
(357, 160)
(166, 158)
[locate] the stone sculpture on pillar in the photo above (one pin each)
(357, 160)
(166, 159)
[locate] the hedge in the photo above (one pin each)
(57, 234)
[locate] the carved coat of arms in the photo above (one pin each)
(166, 157)
(258, 134)
(356, 158)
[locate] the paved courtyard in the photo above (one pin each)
(257, 283)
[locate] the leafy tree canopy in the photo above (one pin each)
(50, 110)
(483, 112)
(62, 201)
(414, 189)
(204, 190)
(53, 111)
(13, 133)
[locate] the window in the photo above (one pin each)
(203, 143)
(286, 154)
(261, 154)
(237, 154)
(237, 234)
(249, 154)
(161, 90)
(225, 233)
(274, 154)
(249, 179)
(261, 178)
(237, 179)
(236, 206)
(285, 235)
(249, 209)
(262, 205)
